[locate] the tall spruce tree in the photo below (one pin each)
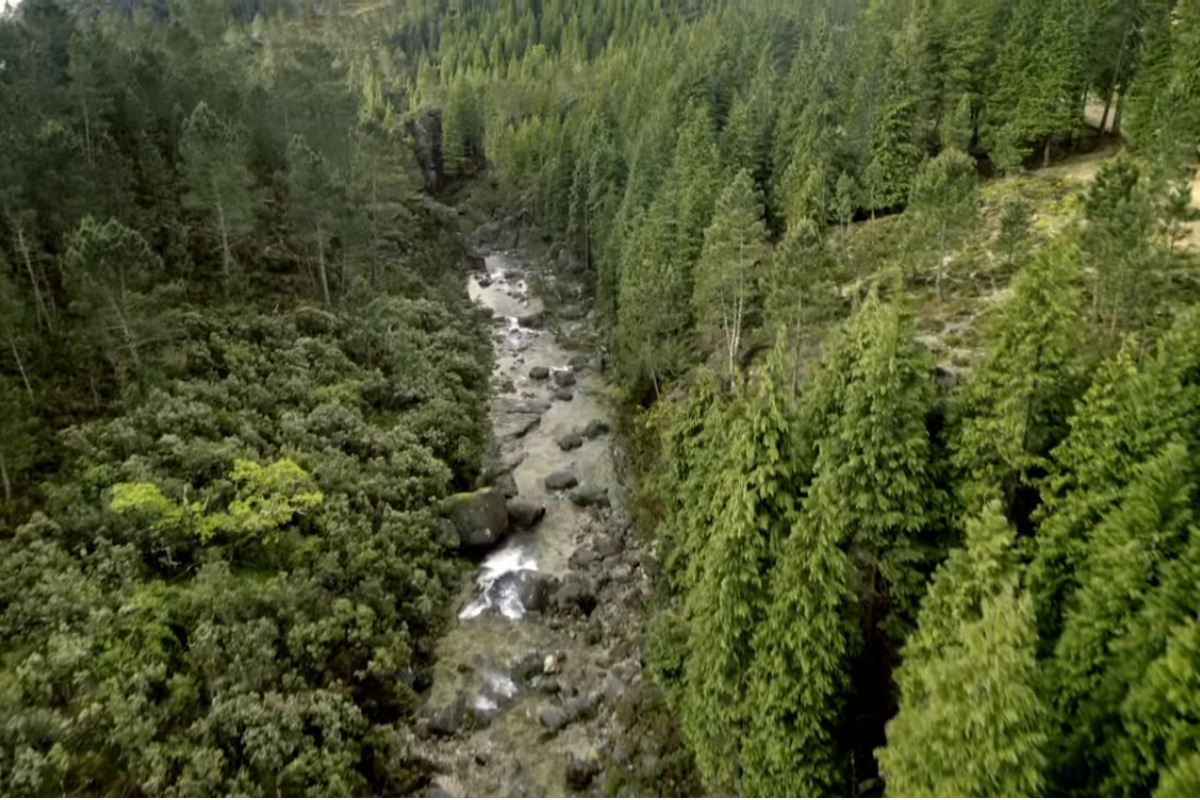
(757, 484)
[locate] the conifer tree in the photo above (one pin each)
(1013, 408)
(943, 202)
(218, 182)
(873, 487)
(1124, 554)
(728, 272)
(757, 485)
(800, 671)
(970, 721)
(1141, 408)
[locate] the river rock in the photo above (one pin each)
(514, 417)
(506, 484)
(608, 546)
(484, 281)
(539, 373)
(582, 707)
(578, 361)
(524, 513)
(581, 558)
(571, 313)
(532, 320)
(561, 480)
(553, 718)
(570, 441)
(550, 664)
(524, 669)
(481, 517)
(530, 587)
(579, 772)
(576, 592)
(564, 377)
(586, 496)
(563, 393)
(595, 429)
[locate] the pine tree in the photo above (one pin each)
(971, 723)
(873, 489)
(1013, 409)
(800, 670)
(214, 163)
(757, 485)
(944, 204)
(728, 272)
(1123, 561)
(1142, 409)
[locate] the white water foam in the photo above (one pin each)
(510, 558)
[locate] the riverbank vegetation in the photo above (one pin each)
(917, 422)
(915, 419)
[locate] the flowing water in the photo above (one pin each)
(504, 747)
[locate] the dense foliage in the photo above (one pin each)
(239, 369)
(919, 454)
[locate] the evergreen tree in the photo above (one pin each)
(1013, 409)
(728, 272)
(217, 179)
(757, 485)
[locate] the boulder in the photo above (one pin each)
(563, 393)
(576, 592)
(595, 429)
(530, 587)
(506, 484)
(539, 373)
(586, 496)
(564, 377)
(481, 517)
(561, 480)
(570, 441)
(581, 559)
(533, 320)
(524, 513)
(553, 718)
(475, 263)
(578, 361)
(484, 281)
(524, 669)
(608, 546)
(571, 313)
(579, 772)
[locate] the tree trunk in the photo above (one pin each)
(1046, 151)
(4, 480)
(226, 256)
(38, 301)
(1116, 126)
(21, 368)
(321, 268)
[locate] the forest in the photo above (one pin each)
(902, 306)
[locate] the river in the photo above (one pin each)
(523, 701)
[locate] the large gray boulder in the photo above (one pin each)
(481, 517)
(539, 373)
(595, 429)
(564, 377)
(586, 495)
(524, 513)
(561, 480)
(569, 441)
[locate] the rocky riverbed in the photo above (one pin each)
(547, 642)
